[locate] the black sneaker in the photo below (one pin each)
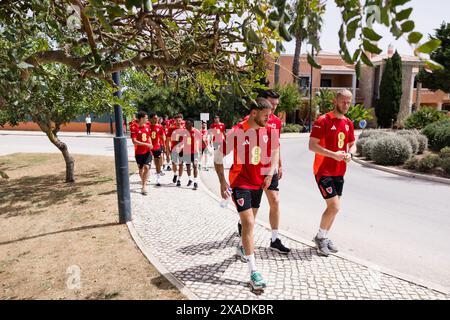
(174, 179)
(178, 183)
(168, 168)
(240, 229)
(279, 247)
(158, 184)
(195, 186)
(189, 183)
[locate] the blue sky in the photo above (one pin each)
(427, 14)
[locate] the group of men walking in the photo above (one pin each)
(257, 165)
(177, 142)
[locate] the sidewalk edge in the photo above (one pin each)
(401, 172)
(158, 265)
(372, 266)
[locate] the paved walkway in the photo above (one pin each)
(194, 239)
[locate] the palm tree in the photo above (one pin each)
(303, 29)
(297, 29)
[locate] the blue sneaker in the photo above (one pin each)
(256, 281)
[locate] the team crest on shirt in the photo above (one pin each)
(240, 202)
(329, 190)
(347, 127)
(265, 139)
(274, 125)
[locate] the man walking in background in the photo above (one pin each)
(141, 139)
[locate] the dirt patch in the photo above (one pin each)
(63, 241)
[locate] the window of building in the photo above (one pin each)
(325, 83)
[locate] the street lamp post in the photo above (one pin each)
(121, 159)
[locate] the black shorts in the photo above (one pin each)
(143, 159)
(157, 153)
(246, 198)
(330, 186)
(274, 183)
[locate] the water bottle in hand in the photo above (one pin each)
(224, 203)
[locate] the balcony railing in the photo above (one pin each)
(316, 90)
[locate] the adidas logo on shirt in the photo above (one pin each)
(333, 127)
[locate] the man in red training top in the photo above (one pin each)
(141, 139)
(332, 139)
(158, 137)
(174, 139)
(256, 151)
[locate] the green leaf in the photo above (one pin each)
(414, 37)
(274, 16)
(370, 34)
(408, 26)
(346, 56)
(356, 54)
(313, 63)
(404, 14)
(366, 59)
(433, 65)
(384, 15)
(133, 3)
(430, 46)
(259, 12)
(252, 36)
(368, 46)
(396, 3)
(284, 33)
(96, 3)
(351, 29)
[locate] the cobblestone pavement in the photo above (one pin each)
(195, 240)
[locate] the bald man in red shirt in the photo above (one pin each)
(332, 139)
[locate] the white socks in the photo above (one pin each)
(157, 177)
(195, 180)
(274, 235)
(251, 263)
(322, 234)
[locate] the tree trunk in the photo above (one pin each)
(70, 162)
(277, 66)
(418, 95)
(296, 63)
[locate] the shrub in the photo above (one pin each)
(423, 117)
(290, 127)
(445, 153)
(407, 132)
(428, 163)
(391, 150)
(368, 147)
(413, 141)
(368, 133)
(445, 164)
(290, 98)
(357, 113)
(411, 164)
(423, 143)
(360, 144)
(438, 134)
